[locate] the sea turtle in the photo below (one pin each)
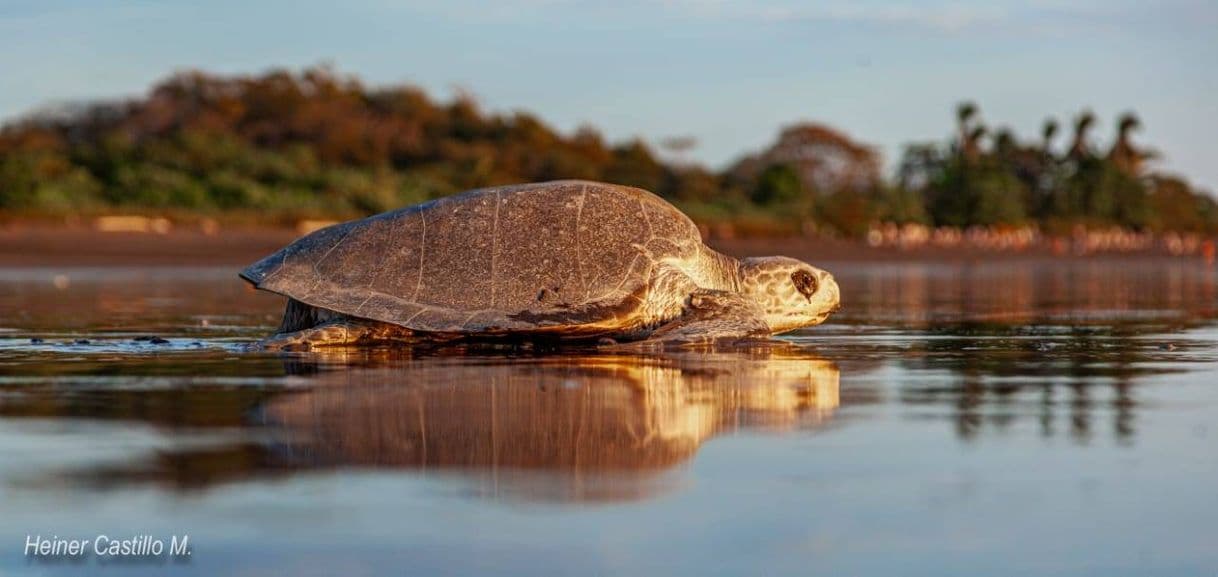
(552, 261)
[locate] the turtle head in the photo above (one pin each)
(792, 293)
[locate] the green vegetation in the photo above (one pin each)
(284, 146)
(1011, 183)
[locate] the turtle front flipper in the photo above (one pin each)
(712, 316)
(337, 333)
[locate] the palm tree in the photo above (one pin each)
(965, 111)
(1048, 131)
(972, 143)
(1079, 148)
(1045, 182)
(1124, 155)
(1005, 145)
(970, 136)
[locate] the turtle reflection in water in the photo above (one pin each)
(566, 260)
(587, 427)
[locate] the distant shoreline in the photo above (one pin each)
(49, 245)
(272, 148)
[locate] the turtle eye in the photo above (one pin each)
(804, 282)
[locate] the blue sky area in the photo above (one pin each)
(728, 73)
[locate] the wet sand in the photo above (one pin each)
(46, 245)
(41, 245)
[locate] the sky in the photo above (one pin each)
(729, 74)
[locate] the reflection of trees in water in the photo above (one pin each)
(584, 427)
(1005, 333)
(992, 372)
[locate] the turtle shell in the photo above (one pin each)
(536, 256)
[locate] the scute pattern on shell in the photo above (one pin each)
(546, 255)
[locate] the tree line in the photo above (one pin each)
(287, 145)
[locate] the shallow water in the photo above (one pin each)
(1008, 418)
